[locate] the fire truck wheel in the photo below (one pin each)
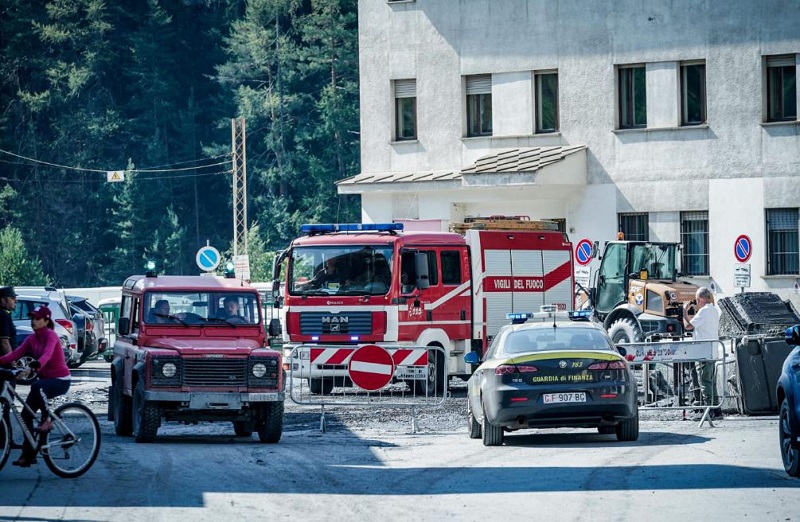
(473, 425)
(146, 416)
(626, 330)
(271, 425)
(436, 383)
(123, 423)
(243, 428)
(320, 386)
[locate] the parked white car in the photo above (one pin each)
(29, 298)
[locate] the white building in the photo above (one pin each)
(672, 121)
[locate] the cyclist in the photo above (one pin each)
(54, 377)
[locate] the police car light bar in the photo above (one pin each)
(327, 228)
(549, 312)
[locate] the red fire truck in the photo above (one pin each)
(347, 285)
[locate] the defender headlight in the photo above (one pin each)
(169, 370)
(259, 370)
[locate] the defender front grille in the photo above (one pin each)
(215, 372)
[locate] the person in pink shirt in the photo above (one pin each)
(53, 375)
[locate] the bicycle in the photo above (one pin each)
(69, 449)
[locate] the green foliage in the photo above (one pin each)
(17, 267)
(88, 86)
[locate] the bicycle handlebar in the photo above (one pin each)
(11, 372)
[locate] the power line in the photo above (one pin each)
(82, 169)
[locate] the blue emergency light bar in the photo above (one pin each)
(549, 312)
(328, 228)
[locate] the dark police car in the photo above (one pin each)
(550, 370)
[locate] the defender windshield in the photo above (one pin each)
(657, 258)
(340, 270)
(207, 308)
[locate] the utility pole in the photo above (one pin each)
(240, 252)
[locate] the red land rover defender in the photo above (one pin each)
(194, 348)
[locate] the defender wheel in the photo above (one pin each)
(123, 417)
(271, 427)
(146, 416)
(626, 330)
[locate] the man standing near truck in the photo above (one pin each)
(8, 332)
(705, 325)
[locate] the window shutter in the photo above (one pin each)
(405, 88)
(781, 61)
(479, 84)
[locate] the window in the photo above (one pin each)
(405, 109)
(635, 226)
(408, 270)
(694, 239)
(693, 93)
(782, 246)
(479, 105)
(781, 88)
(546, 102)
(451, 267)
(632, 97)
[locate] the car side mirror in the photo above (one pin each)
(793, 335)
(472, 358)
(622, 351)
(124, 326)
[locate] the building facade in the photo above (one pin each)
(669, 121)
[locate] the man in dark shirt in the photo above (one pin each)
(8, 332)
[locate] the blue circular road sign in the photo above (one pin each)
(208, 258)
(583, 252)
(742, 248)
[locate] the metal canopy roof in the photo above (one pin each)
(520, 160)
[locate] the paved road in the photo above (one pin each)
(676, 471)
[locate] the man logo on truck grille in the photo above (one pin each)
(335, 324)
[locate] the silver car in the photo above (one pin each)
(29, 298)
(91, 325)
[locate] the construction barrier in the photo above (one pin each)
(370, 376)
(665, 378)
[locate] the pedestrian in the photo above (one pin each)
(8, 332)
(705, 327)
(53, 375)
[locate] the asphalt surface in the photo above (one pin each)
(369, 464)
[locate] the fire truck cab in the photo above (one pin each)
(347, 285)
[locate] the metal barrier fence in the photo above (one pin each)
(677, 388)
(369, 376)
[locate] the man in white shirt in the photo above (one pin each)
(705, 325)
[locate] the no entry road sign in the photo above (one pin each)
(371, 367)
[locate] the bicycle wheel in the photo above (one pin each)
(5, 440)
(71, 448)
